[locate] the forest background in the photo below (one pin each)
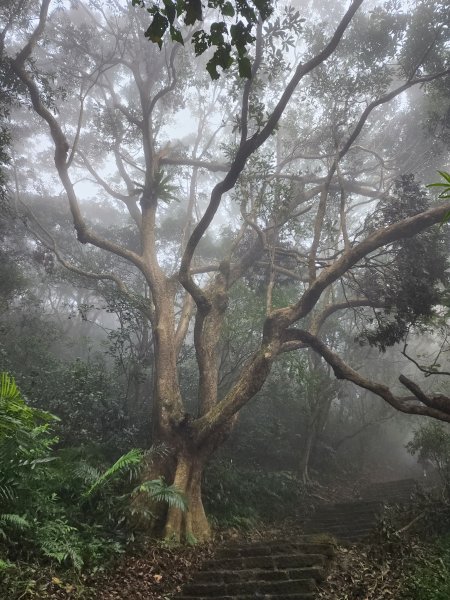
(214, 262)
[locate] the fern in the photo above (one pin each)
(14, 520)
(131, 459)
(87, 473)
(6, 492)
(8, 388)
(15, 415)
(61, 542)
(159, 491)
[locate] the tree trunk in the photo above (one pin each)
(191, 525)
(303, 467)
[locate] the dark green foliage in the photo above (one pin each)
(410, 277)
(64, 507)
(430, 577)
(241, 498)
(87, 400)
(231, 42)
(431, 442)
(82, 392)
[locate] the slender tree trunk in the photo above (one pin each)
(303, 467)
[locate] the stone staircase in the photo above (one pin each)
(293, 569)
(353, 521)
(391, 492)
(281, 569)
(347, 522)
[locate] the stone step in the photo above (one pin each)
(277, 561)
(213, 590)
(391, 491)
(330, 519)
(276, 547)
(352, 508)
(317, 573)
(354, 503)
(331, 529)
(359, 535)
(300, 596)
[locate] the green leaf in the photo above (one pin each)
(170, 10)
(228, 10)
(445, 175)
(193, 12)
(159, 491)
(176, 36)
(265, 8)
(15, 521)
(131, 458)
(201, 42)
(157, 28)
(211, 67)
(217, 32)
(245, 67)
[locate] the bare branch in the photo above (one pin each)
(84, 234)
(330, 309)
(192, 162)
(248, 83)
(428, 371)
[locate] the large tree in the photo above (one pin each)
(284, 168)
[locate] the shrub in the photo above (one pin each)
(241, 497)
(430, 578)
(56, 506)
(431, 442)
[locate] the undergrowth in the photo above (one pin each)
(243, 498)
(64, 509)
(429, 578)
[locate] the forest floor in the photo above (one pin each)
(375, 570)
(157, 571)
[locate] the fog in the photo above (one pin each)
(228, 250)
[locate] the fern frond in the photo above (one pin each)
(5, 565)
(6, 492)
(130, 459)
(159, 491)
(87, 473)
(15, 521)
(157, 451)
(8, 388)
(60, 541)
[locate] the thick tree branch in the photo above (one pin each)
(330, 309)
(434, 406)
(247, 148)
(277, 337)
(406, 228)
(84, 234)
(343, 151)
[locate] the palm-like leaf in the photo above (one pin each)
(133, 458)
(8, 388)
(445, 194)
(159, 491)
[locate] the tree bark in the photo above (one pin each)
(191, 525)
